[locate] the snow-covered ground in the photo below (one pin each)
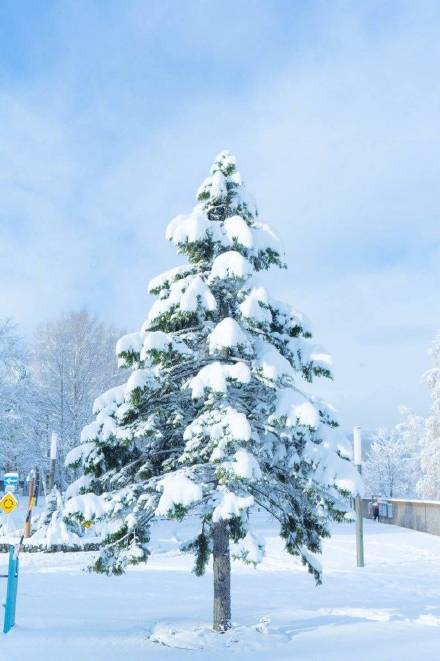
(388, 610)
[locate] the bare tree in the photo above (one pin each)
(392, 465)
(73, 361)
(429, 483)
(19, 444)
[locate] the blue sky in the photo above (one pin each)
(111, 113)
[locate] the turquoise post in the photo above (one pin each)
(11, 591)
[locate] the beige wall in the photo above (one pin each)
(423, 515)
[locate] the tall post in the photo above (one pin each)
(53, 459)
(37, 484)
(31, 490)
(357, 443)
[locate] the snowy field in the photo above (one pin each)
(388, 610)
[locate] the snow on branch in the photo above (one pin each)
(229, 505)
(177, 489)
(165, 280)
(271, 364)
(295, 409)
(88, 505)
(197, 293)
(228, 334)
(215, 376)
(230, 264)
(191, 227)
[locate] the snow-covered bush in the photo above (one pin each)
(54, 531)
(214, 419)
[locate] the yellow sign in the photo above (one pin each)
(8, 503)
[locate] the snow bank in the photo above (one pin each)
(243, 642)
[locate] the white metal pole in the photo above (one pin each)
(357, 455)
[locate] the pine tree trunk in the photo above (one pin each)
(222, 577)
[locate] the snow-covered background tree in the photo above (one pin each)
(429, 484)
(73, 361)
(19, 439)
(392, 464)
(50, 384)
(215, 418)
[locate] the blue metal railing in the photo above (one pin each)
(11, 590)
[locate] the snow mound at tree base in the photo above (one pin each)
(256, 637)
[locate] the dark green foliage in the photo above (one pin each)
(200, 547)
(237, 528)
(173, 320)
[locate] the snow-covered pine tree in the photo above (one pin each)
(213, 420)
